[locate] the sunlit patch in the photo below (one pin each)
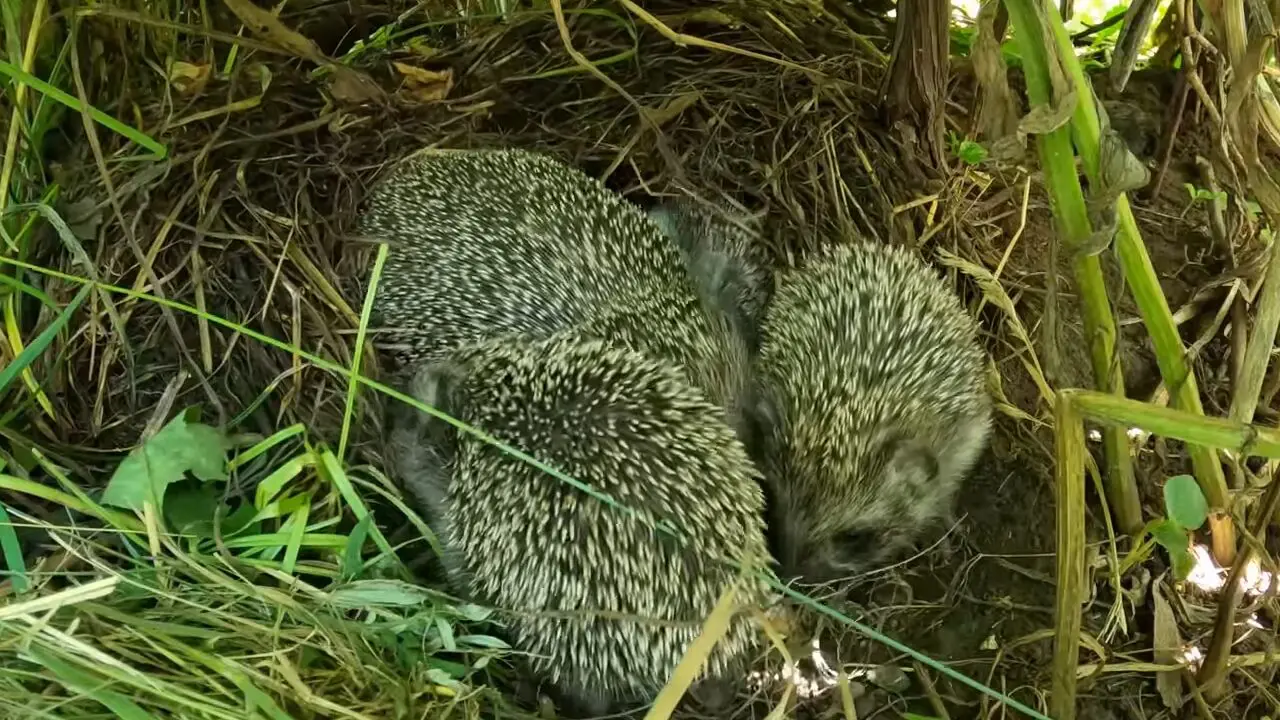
(809, 682)
(1209, 577)
(1095, 435)
(1189, 656)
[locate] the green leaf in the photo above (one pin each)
(352, 554)
(913, 716)
(1183, 562)
(1169, 535)
(37, 347)
(190, 506)
(445, 631)
(483, 641)
(971, 152)
(365, 593)
(473, 613)
(12, 551)
(178, 448)
(1184, 503)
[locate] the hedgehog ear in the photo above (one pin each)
(909, 461)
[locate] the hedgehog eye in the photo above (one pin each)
(853, 543)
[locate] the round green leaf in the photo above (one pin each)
(1169, 536)
(1184, 503)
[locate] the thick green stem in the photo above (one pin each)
(1057, 160)
(1141, 278)
(1244, 439)
(1069, 434)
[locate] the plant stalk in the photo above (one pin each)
(1142, 280)
(1057, 160)
(1069, 436)
(1246, 440)
(1257, 355)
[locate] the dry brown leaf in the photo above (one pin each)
(263, 22)
(189, 78)
(1165, 645)
(425, 85)
(352, 87)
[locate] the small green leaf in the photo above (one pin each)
(445, 631)
(1183, 562)
(352, 554)
(190, 506)
(365, 593)
(483, 641)
(178, 448)
(473, 613)
(1184, 503)
(1169, 535)
(971, 152)
(913, 716)
(16, 566)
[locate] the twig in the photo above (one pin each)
(663, 148)
(682, 39)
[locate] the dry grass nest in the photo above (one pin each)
(249, 219)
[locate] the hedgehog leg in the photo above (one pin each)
(584, 702)
(715, 695)
(422, 446)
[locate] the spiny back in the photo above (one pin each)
(631, 427)
(875, 389)
(494, 241)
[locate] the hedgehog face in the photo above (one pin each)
(842, 509)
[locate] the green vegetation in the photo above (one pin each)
(195, 517)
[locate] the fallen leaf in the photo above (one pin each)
(178, 448)
(425, 85)
(352, 87)
(189, 78)
(1166, 642)
(265, 23)
(82, 216)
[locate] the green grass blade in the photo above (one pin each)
(15, 73)
(12, 550)
(42, 341)
(83, 684)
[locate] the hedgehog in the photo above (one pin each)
(724, 256)
(872, 408)
(509, 242)
(604, 605)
